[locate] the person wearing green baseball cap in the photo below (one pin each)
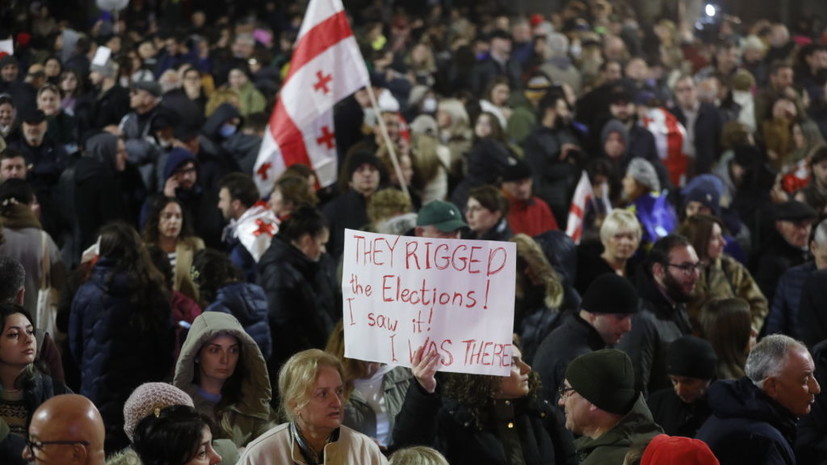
(439, 219)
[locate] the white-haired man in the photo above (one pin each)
(755, 418)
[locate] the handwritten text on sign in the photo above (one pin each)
(455, 296)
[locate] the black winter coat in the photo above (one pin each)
(425, 419)
(301, 295)
(747, 426)
(114, 355)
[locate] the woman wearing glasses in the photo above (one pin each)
(473, 419)
(23, 387)
(721, 275)
(486, 212)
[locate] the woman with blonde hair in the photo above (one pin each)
(374, 392)
(620, 235)
(418, 455)
(312, 401)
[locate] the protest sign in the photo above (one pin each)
(454, 296)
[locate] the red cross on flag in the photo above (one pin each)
(326, 67)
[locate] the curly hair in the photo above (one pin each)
(530, 256)
(170, 437)
(476, 392)
(211, 271)
(151, 233)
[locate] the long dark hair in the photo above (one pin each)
(151, 233)
(120, 243)
(29, 372)
(211, 271)
(170, 436)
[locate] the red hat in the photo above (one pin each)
(677, 450)
(536, 19)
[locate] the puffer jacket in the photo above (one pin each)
(115, 355)
(747, 426)
(635, 427)
(251, 416)
(301, 297)
(248, 303)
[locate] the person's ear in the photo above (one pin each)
(658, 271)
(21, 296)
(79, 454)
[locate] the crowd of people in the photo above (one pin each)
(664, 181)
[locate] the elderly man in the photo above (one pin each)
(754, 419)
(66, 430)
(604, 408)
(786, 246)
(605, 316)
(439, 219)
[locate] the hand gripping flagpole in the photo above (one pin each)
(388, 143)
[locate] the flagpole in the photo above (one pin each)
(388, 143)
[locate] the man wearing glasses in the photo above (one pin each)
(603, 407)
(66, 430)
(665, 285)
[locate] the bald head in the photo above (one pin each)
(67, 418)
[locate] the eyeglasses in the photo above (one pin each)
(688, 268)
(564, 391)
(38, 445)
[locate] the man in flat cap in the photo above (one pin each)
(786, 247)
(605, 316)
(603, 406)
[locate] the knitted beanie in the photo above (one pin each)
(605, 378)
(146, 398)
(691, 356)
(610, 293)
(643, 172)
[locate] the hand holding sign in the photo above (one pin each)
(454, 297)
(424, 368)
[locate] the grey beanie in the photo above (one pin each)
(611, 126)
(643, 172)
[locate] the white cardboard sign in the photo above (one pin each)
(455, 296)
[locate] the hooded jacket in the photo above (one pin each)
(635, 427)
(747, 426)
(251, 416)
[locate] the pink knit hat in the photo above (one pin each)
(146, 398)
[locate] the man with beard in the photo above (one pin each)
(551, 151)
(665, 284)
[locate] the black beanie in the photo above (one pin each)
(605, 378)
(692, 357)
(610, 293)
(357, 159)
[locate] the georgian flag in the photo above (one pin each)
(325, 68)
(582, 196)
